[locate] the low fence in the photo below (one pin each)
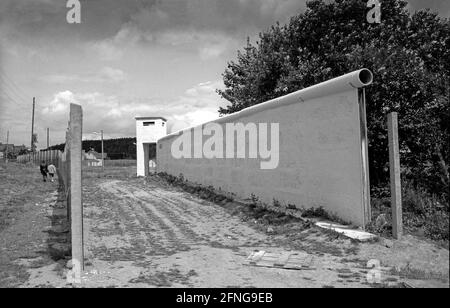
(120, 163)
(318, 150)
(49, 156)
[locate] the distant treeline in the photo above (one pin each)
(121, 148)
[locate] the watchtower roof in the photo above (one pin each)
(151, 118)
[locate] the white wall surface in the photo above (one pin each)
(320, 152)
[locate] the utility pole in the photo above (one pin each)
(48, 138)
(103, 156)
(32, 127)
(7, 146)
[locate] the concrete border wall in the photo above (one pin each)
(322, 151)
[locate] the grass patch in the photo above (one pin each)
(424, 215)
(321, 213)
(408, 272)
(164, 279)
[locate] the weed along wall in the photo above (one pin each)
(306, 149)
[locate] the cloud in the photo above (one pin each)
(59, 104)
(104, 21)
(105, 75)
(180, 122)
(206, 44)
(106, 50)
(116, 115)
(206, 27)
(111, 74)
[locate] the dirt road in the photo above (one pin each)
(147, 233)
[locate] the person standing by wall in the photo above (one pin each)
(51, 171)
(44, 170)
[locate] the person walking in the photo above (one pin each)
(51, 171)
(44, 170)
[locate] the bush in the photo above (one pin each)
(409, 56)
(423, 214)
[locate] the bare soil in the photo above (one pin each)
(32, 227)
(148, 233)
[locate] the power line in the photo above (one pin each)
(11, 89)
(21, 103)
(10, 93)
(14, 85)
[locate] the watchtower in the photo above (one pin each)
(148, 131)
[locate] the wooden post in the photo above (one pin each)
(394, 169)
(76, 204)
(103, 155)
(7, 146)
(32, 127)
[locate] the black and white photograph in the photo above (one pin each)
(224, 151)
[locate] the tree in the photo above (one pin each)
(410, 58)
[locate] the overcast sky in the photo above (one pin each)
(126, 58)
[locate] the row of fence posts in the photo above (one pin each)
(68, 165)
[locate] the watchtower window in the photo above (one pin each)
(149, 123)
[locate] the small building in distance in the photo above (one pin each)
(4, 146)
(19, 149)
(13, 150)
(93, 159)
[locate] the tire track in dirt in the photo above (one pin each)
(140, 228)
(188, 236)
(181, 206)
(134, 218)
(125, 221)
(164, 236)
(106, 218)
(227, 225)
(113, 225)
(179, 224)
(174, 211)
(181, 201)
(176, 206)
(184, 207)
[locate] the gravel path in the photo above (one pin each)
(147, 233)
(140, 233)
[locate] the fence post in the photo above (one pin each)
(395, 180)
(76, 204)
(67, 172)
